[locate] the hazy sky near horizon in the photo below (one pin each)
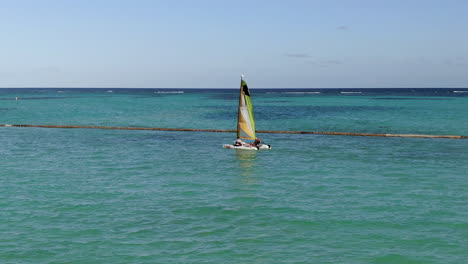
(209, 43)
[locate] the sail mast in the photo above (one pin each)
(239, 109)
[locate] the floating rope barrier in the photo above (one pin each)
(258, 131)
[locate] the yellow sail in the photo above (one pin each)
(245, 120)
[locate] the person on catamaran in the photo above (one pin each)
(238, 142)
(256, 143)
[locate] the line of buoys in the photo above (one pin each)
(258, 131)
(363, 134)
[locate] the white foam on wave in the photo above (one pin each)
(460, 91)
(170, 92)
(295, 92)
(301, 92)
(350, 92)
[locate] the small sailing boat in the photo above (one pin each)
(246, 122)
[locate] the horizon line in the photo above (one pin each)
(58, 87)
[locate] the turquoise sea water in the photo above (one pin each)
(119, 196)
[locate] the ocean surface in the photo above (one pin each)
(124, 196)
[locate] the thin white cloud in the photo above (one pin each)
(331, 62)
(326, 62)
(298, 55)
(342, 28)
(456, 62)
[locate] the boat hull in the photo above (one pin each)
(263, 146)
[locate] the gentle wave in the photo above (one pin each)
(460, 91)
(350, 92)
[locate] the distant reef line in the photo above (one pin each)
(233, 131)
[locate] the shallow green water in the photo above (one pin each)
(109, 196)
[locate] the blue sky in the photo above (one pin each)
(208, 43)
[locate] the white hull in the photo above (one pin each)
(263, 146)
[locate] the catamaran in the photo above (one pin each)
(246, 122)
